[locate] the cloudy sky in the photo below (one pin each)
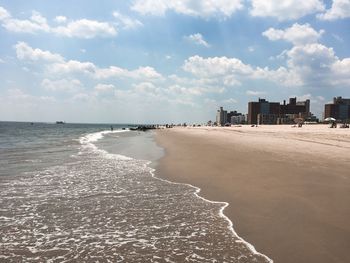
(125, 61)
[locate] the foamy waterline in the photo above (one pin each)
(221, 213)
(88, 141)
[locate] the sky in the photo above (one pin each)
(163, 61)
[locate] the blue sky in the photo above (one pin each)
(149, 61)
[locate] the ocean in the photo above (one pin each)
(84, 193)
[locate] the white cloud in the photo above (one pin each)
(25, 52)
(104, 87)
(232, 71)
(340, 9)
(18, 96)
(197, 39)
(73, 66)
(317, 65)
(296, 34)
(254, 93)
(57, 64)
(85, 28)
(216, 66)
(83, 97)
(35, 23)
(229, 101)
(66, 85)
(4, 14)
(140, 73)
(2, 61)
(60, 19)
(197, 8)
(285, 9)
(146, 87)
(127, 22)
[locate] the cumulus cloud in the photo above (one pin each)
(254, 93)
(57, 64)
(197, 8)
(16, 95)
(25, 52)
(216, 66)
(296, 34)
(127, 22)
(60, 19)
(140, 73)
(104, 87)
(285, 9)
(311, 65)
(104, 90)
(82, 28)
(65, 85)
(36, 23)
(197, 39)
(340, 9)
(4, 14)
(317, 65)
(146, 87)
(85, 28)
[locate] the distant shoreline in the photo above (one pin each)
(288, 188)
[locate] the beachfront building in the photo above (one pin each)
(264, 112)
(262, 109)
(237, 119)
(233, 117)
(221, 117)
(339, 109)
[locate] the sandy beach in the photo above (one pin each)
(288, 188)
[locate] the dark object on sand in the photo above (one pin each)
(143, 128)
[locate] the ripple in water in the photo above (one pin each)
(105, 208)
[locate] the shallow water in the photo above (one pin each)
(91, 196)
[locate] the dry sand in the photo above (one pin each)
(288, 188)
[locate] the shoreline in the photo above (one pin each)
(269, 219)
(197, 192)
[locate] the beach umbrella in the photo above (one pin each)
(330, 119)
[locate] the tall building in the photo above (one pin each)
(264, 112)
(235, 117)
(221, 117)
(262, 108)
(339, 109)
(238, 119)
(296, 107)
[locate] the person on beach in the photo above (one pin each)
(111, 128)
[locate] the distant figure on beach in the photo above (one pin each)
(334, 124)
(111, 128)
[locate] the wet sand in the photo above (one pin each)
(288, 188)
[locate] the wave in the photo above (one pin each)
(87, 142)
(221, 214)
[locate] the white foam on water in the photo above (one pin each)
(221, 213)
(88, 140)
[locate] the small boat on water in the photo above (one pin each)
(60, 122)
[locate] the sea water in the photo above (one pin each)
(84, 193)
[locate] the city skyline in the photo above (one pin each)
(159, 61)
